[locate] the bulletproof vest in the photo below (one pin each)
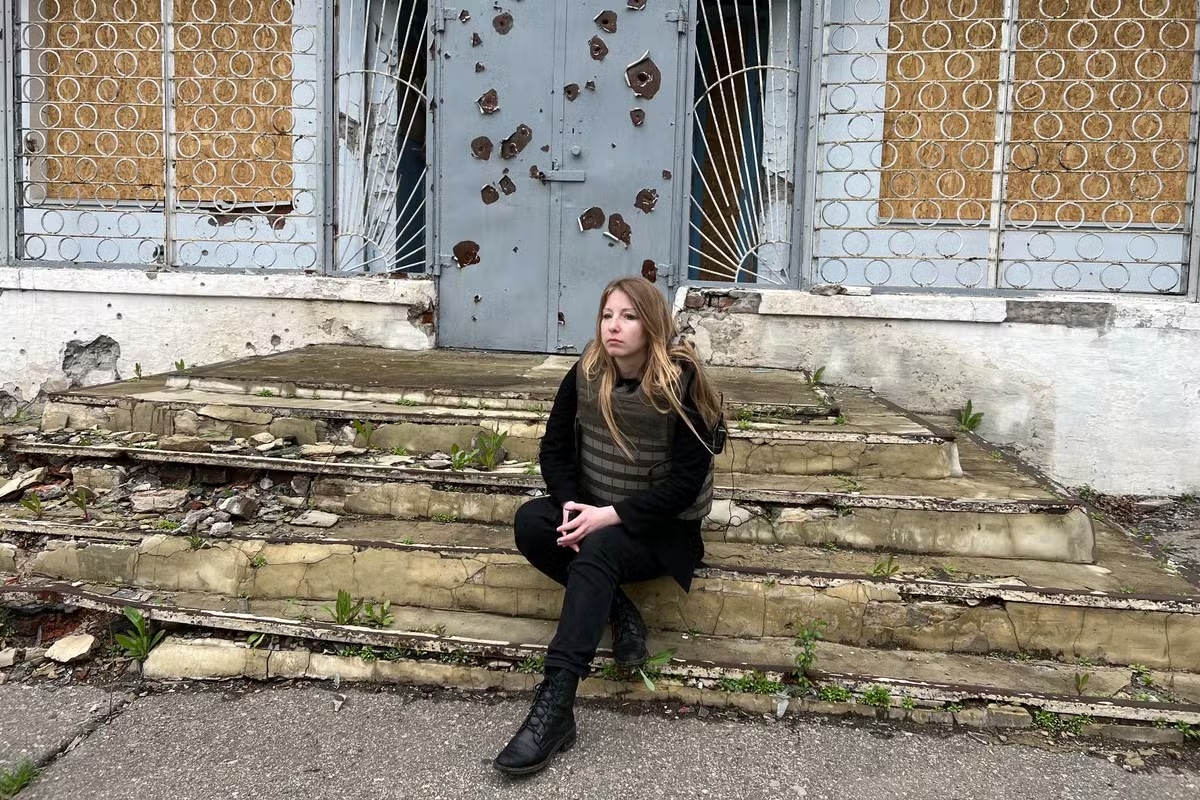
(606, 473)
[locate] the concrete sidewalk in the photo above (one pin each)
(291, 743)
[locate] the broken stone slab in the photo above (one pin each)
(184, 444)
(97, 479)
(160, 500)
(269, 446)
(245, 416)
(221, 529)
(291, 502)
(329, 449)
(263, 438)
(316, 519)
(1155, 503)
(21, 482)
(8, 657)
(71, 648)
(240, 507)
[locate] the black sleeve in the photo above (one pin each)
(557, 454)
(691, 460)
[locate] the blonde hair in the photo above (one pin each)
(662, 375)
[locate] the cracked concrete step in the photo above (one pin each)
(876, 441)
(503, 643)
(502, 380)
(725, 600)
(998, 512)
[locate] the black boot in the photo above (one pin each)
(628, 631)
(549, 728)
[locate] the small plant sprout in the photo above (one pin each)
(138, 644)
(885, 568)
(345, 611)
(15, 778)
(444, 517)
(743, 424)
(399, 451)
(834, 693)
(534, 665)
(380, 616)
(806, 653)
(137, 371)
(406, 540)
(404, 401)
(197, 542)
(841, 420)
(1141, 674)
(258, 562)
(165, 525)
(490, 448)
(460, 459)
(908, 703)
(752, 682)
(33, 504)
(364, 430)
(877, 696)
(180, 366)
(849, 484)
(968, 418)
(255, 639)
(264, 393)
(652, 669)
(1081, 682)
(531, 469)
(815, 378)
(82, 498)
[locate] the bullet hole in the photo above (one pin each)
(515, 249)
(536, 173)
(635, 5)
(644, 77)
(507, 186)
(479, 66)
(562, 318)
(120, 316)
(520, 139)
(590, 86)
(503, 23)
(666, 174)
(638, 116)
(489, 102)
(598, 47)
(607, 21)
(650, 271)
(109, 305)
(481, 148)
(489, 194)
(466, 253)
(446, 56)
(505, 171)
(571, 90)
(613, 145)
(478, 299)
(619, 229)
(250, 346)
(476, 40)
(646, 200)
(465, 16)
(592, 219)
(545, 148)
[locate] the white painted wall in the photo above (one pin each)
(1111, 399)
(157, 319)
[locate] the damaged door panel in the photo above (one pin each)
(492, 248)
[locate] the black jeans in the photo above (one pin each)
(606, 559)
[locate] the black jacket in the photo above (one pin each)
(651, 515)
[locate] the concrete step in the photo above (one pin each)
(1152, 617)
(995, 511)
(874, 440)
(491, 651)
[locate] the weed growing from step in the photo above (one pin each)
(365, 430)
(33, 504)
(165, 525)
(533, 665)
(406, 540)
(649, 672)
(444, 517)
(968, 418)
(197, 542)
(380, 616)
(180, 366)
(532, 469)
(345, 611)
(849, 484)
(1081, 682)
(1141, 674)
(459, 658)
(460, 459)
(752, 682)
(14, 779)
(264, 393)
(806, 653)
(82, 498)
(404, 401)
(490, 448)
(908, 704)
(952, 708)
(877, 697)
(885, 569)
(1191, 733)
(258, 562)
(815, 378)
(1056, 725)
(137, 371)
(399, 451)
(835, 693)
(138, 644)
(840, 419)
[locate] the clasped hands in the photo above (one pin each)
(587, 519)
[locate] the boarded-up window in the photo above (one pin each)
(230, 120)
(1098, 127)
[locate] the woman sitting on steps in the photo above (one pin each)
(628, 461)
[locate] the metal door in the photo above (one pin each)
(558, 138)
(622, 145)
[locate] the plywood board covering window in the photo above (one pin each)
(230, 120)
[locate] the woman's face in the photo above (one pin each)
(621, 328)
